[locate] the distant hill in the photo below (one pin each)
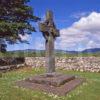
(27, 50)
(64, 51)
(41, 53)
(93, 50)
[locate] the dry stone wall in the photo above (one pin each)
(11, 63)
(91, 64)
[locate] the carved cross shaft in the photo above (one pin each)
(50, 33)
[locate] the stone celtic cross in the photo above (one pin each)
(50, 32)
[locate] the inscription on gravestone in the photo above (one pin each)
(50, 32)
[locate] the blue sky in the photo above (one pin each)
(76, 20)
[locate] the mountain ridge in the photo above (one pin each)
(93, 50)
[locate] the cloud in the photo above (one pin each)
(80, 14)
(90, 23)
(39, 43)
(86, 32)
(92, 44)
(24, 37)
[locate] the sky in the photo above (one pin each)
(77, 20)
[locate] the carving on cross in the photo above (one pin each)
(50, 32)
(48, 27)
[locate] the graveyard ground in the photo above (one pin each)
(90, 90)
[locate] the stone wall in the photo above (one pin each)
(91, 64)
(11, 63)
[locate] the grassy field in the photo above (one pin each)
(42, 54)
(90, 90)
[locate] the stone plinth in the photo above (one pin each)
(58, 84)
(55, 80)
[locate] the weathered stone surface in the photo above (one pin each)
(58, 90)
(50, 32)
(10, 63)
(91, 64)
(11, 60)
(10, 67)
(55, 80)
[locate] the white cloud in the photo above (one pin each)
(90, 23)
(80, 14)
(86, 31)
(39, 43)
(24, 37)
(92, 44)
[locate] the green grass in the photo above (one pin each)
(90, 90)
(42, 54)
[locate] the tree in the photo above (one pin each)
(2, 46)
(15, 18)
